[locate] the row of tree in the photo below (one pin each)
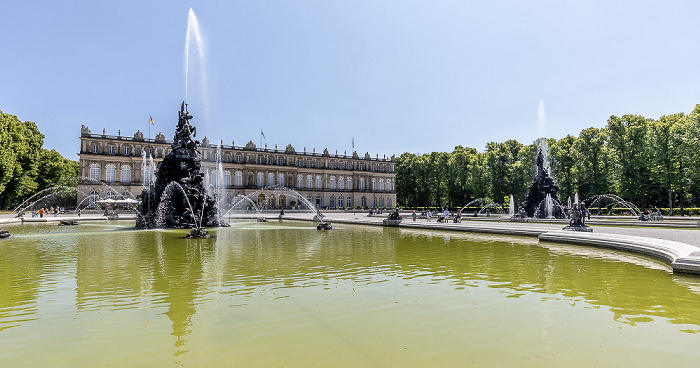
(25, 166)
(652, 163)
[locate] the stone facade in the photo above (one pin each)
(111, 167)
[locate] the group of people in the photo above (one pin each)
(444, 218)
(46, 211)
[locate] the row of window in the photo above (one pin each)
(110, 173)
(308, 182)
(112, 150)
(332, 203)
(261, 160)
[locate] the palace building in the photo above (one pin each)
(114, 166)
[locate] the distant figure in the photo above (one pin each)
(428, 215)
(414, 216)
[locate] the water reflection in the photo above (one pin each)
(116, 269)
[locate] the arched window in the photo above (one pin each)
(300, 181)
(388, 202)
(110, 173)
(271, 179)
(213, 177)
(381, 202)
(362, 184)
(341, 183)
(280, 179)
(318, 164)
(270, 160)
(332, 202)
(340, 201)
(374, 184)
(94, 197)
(374, 202)
(363, 201)
(332, 184)
(319, 182)
(238, 178)
(227, 178)
(126, 174)
(309, 181)
(332, 165)
(349, 186)
(349, 202)
(260, 159)
(261, 180)
(94, 172)
(381, 185)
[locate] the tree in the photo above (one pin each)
(24, 142)
(593, 164)
(563, 161)
(54, 170)
(25, 167)
(628, 143)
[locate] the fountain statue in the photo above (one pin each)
(178, 197)
(577, 218)
(542, 194)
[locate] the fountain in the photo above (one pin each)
(542, 187)
(615, 201)
(178, 197)
(511, 206)
(577, 217)
(241, 199)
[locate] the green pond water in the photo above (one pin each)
(283, 294)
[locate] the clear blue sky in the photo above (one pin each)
(398, 76)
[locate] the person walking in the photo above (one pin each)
(414, 216)
(445, 215)
(428, 215)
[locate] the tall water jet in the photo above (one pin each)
(542, 144)
(220, 185)
(511, 209)
(549, 207)
(193, 32)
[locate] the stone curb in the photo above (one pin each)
(683, 257)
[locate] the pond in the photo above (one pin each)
(285, 294)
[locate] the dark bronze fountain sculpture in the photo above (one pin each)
(178, 198)
(541, 186)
